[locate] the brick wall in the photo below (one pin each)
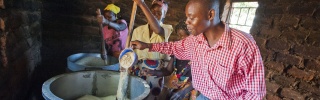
(19, 46)
(287, 32)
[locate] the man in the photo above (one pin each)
(225, 63)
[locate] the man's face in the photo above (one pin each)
(197, 18)
(158, 13)
(109, 15)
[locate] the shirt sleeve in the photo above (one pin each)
(251, 64)
(181, 49)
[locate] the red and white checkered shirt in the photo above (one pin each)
(230, 70)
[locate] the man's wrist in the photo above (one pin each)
(149, 45)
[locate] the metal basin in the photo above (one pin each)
(73, 66)
(99, 83)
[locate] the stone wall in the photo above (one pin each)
(287, 32)
(20, 37)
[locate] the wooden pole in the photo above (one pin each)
(133, 16)
(226, 11)
(103, 46)
(123, 81)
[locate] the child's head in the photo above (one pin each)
(181, 30)
(111, 11)
(159, 9)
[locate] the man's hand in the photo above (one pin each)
(139, 45)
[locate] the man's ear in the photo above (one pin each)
(211, 14)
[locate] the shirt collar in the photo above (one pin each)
(225, 40)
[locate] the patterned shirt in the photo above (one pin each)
(232, 69)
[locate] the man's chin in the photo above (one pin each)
(195, 34)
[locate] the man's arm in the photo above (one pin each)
(181, 49)
(251, 63)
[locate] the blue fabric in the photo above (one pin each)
(115, 67)
(202, 97)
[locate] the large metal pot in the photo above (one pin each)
(99, 83)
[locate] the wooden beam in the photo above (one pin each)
(226, 11)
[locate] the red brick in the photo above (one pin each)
(314, 37)
(278, 44)
(288, 21)
(310, 23)
(297, 73)
(302, 8)
(270, 32)
(272, 97)
(268, 74)
(265, 53)
(314, 96)
(275, 66)
(260, 41)
(309, 88)
(272, 87)
(288, 59)
(295, 36)
(307, 51)
(313, 65)
(274, 10)
(289, 93)
(283, 80)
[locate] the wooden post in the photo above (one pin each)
(226, 11)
